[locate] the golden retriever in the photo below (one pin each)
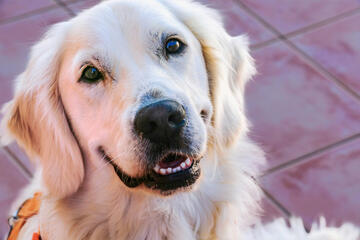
(133, 112)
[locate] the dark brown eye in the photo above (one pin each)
(174, 46)
(91, 75)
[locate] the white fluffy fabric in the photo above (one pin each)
(280, 230)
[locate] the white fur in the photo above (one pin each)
(82, 196)
(279, 230)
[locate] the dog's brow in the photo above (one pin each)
(84, 64)
(94, 59)
(86, 57)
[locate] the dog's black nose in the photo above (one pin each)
(161, 122)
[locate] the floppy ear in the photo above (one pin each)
(229, 66)
(36, 118)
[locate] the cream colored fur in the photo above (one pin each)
(279, 230)
(82, 196)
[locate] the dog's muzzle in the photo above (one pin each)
(160, 126)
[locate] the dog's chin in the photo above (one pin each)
(166, 178)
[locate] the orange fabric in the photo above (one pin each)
(16, 229)
(29, 208)
(36, 236)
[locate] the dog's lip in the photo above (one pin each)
(129, 181)
(154, 180)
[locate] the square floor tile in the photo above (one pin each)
(293, 109)
(11, 182)
(12, 8)
(325, 185)
(337, 48)
(15, 46)
(288, 16)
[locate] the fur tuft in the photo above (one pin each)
(279, 230)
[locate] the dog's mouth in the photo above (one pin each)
(173, 163)
(171, 172)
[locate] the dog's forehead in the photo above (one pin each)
(126, 32)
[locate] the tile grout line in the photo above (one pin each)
(257, 46)
(308, 28)
(322, 70)
(324, 22)
(28, 14)
(307, 156)
(18, 163)
(305, 57)
(273, 200)
(276, 203)
(280, 207)
(67, 4)
(65, 7)
(40, 11)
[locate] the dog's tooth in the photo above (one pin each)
(178, 169)
(183, 165)
(162, 171)
(188, 162)
(174, 170)
(157, 168)
(169, 170)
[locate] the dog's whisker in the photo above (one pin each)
(105, 160)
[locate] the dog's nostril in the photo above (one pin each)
(177, 119)
(204, 114)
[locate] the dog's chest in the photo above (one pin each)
(134, 219)
(170, 222)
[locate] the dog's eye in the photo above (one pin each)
(91, 75)
(174, 46)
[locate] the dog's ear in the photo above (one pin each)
(229, 66)
(36, 118)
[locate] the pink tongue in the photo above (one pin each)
(171, 161)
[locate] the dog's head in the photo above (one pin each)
(141, 89)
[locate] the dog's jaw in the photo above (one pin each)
(212, 203)
(163, 183)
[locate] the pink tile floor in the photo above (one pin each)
(304, 103)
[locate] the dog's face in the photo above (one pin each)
(142, 89)
(137, 97)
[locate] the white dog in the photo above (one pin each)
(134, 113)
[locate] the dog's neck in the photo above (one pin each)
(117, 213)
(108, 210)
